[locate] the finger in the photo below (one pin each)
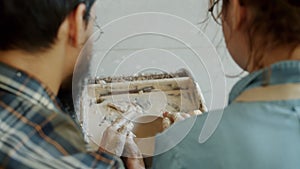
(119, 122)
(195, 113)
(130, 126)
(174, 117)
(167, 114)
(185, 115)
(171, 116)
(123, 123)
(166, 123)
(178, 117)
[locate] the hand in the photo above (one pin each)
(113, 140)
(132, 156)
(118, 140)
(171, 118)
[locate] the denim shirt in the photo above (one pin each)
(250, 135)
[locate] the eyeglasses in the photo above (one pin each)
(97, 30)
(215, 12)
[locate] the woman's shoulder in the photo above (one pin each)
(200, 139)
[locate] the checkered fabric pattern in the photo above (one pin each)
(35, 131)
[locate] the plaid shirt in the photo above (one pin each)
(36, 133)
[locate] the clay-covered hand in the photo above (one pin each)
(114, 137)
(132, 155)
(171, 118)
(118, 140)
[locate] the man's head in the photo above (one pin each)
(41, 27)
(33, 25)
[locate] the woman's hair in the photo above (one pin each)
(32, 25)
(276, 22)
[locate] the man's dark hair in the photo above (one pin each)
(32, 25)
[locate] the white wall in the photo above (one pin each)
(160, 40)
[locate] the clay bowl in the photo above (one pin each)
(145, 129)
(147, 126)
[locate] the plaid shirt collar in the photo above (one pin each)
(23, 85)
